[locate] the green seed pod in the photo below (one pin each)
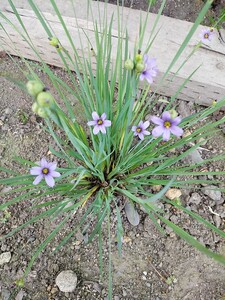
(53, 41)
(42, 112)
(45, 99)
(139, 67)
(139, 57)
(34, 87)
(35, 107)
(129, 64)
(173, 113)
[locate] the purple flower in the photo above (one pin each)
(150, 69)
(166, 125)
(99, 123)
(45, 170)
(206, 35)
(140, 129)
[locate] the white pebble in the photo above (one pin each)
(66, 281)
(5, 258)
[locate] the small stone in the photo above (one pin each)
(126, 239)
(5, 295)
(20, 295)
(195, 198)
(194, 157)
(8, 111)
(54, 290)
(143, 277)
(156, 188)
(212, 192)
(169, 230)
(174, 219)
(217, 220)
(145, 273)
(173, 194)
(6, 189)
(66, 281)
(5, 258)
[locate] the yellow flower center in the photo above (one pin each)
(138, 129)
(100, 122)
(167, 124)
(45, 171)
(206, 35)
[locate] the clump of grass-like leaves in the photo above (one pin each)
(118, 151)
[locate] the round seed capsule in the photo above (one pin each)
(35, 107)
(45, 99)
(129, 64)
(42, 112)
(34, 87)
(139, 67)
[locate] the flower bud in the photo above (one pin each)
(42, 112)
(129, 64)
(139, 57)
(53, 41)
(34, 87)
(35, 107)
(45, 99)
(173, 113)
(139, 67)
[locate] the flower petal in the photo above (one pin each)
(52, 166)
(134, 128)
(96, 129)
(166, 116)
(146, 124)
(176, 121)
(142, 77)
(102, 128)
(107, 123)
(49, 180)
(38, 179)
(43, 163)
(156, 120)
(95, 116)
(157, 131)
(166, 135)
(176, 130)
(36, 170)
(141, 135)
(148, 77)
(146, 132)
(103, 116)
(91, 123)
(54, 174)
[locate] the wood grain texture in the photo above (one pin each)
(206, 85)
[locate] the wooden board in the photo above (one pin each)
(206, 85)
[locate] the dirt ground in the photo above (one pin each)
(153, 266)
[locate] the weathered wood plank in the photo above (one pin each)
(206, 85)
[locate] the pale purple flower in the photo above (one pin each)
(206, 35)
(140, 129)
(45, 170)
(166, 126)
(99, 123)
(150, 69)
